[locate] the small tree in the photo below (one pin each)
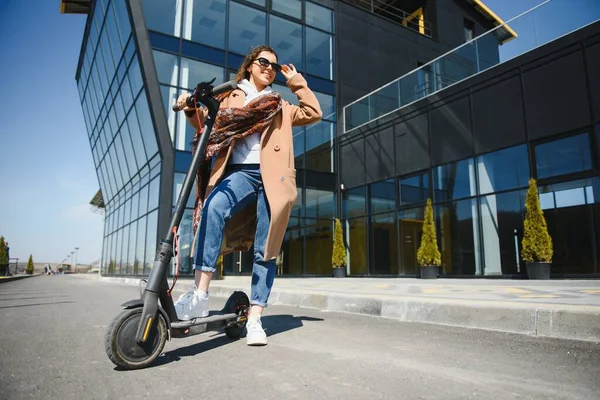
(428, 253)
(537, 244)
(29, 269)
(3, 253)
(338, 258)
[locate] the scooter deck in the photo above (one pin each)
(213, 316)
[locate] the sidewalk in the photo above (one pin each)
(568, 309)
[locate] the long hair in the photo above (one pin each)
(242, 72)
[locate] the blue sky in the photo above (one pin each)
(48, 177)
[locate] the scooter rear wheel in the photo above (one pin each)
(120, 344)
(237, 303)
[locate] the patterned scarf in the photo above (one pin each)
(232, 124)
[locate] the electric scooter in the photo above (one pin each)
(137, 336)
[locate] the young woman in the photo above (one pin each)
(248, 196)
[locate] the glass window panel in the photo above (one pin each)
(167, 66)
(117, 245)
(319, 203)
(205, 22)
(194, 72)
(122, 20)
(459, 237)
(501, 220)
(121, 155)
(144, 200)
(177, 186)
(135, 77)
(299, 135)
(354, 202)
(258, 2)
(292, 249)
(129, 50)
(135, 205)
(319, 133)
(382, 196)
(411, 228)
(136, 139)
(504, 169)
(169, 96)
(297, 208)
(319, 17)
(153, 195)
(124, 249)
(327, 104)
(163, 15)
(384, 244)
(129, 152)
(114, 162)
(113, 35)
(414, 189)
(126, 94)
(319, 239)
(131, 250)
(356, 239)
(285, 37)
(146, 125)
(127, 211)
(249, 29)
(119, 109)
(285, 93)
(563, 156)
(151, 234)
(453, 181)
(319, 53)
(141, 244)
(185, 243)
(292, 8)
(109, 62)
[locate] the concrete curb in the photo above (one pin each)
(572, 322)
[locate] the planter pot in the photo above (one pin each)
(429, 272)
(339, 272)
(538, 270)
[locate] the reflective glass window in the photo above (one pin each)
(318, 237)
(504, 169)
(319, 203)
(154, 190)
(114, 163)
(113, 36)
(136, 139)
(458, 236)
(414, 189)
(109, 62)
(356, 237)
(319, 53)
(410, 223)
(319, 133)
(151, 233)
(126, 94)
(121, 156)
(131, 251)
(353, 202)
(146, 126)
(292, 8)
(285, 37)
(167, 66)
(205, 22)
(140, 247)
(194, 72)
(178, 179)
(248, 30)
(258, 2)
(169, 96)
(563, 156)
(144, 200)
(285, 93)
(453, 181)
(122, 20)
(163, 15)
(135, 77)
(327, 103)
(382, 196)
(319, 17)
(384, 244)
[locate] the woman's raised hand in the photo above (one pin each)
(288, 71)
(181, 102)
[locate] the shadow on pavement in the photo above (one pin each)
(38, 304)
(272, 324)
(32, 298)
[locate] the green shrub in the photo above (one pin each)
(29, 269)
(537, 244)
(338, 258)
(428, 253)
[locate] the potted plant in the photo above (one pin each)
(537, 245)
(428, 255)
(3, 257)
(338, 258)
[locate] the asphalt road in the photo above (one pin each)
(51, 347)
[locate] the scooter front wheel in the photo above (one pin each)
(120, 343)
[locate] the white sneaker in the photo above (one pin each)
(192, 304)
(255, 335)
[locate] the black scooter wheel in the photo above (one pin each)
(120, 344)
(237, 303)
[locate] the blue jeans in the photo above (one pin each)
(241, 186)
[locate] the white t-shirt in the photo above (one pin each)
(247, 150)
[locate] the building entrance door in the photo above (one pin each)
(410, 233)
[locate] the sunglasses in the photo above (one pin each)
(265, 63)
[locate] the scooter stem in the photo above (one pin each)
(157, 284)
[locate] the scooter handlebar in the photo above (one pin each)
(217, 90)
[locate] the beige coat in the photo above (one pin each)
(276, 166)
